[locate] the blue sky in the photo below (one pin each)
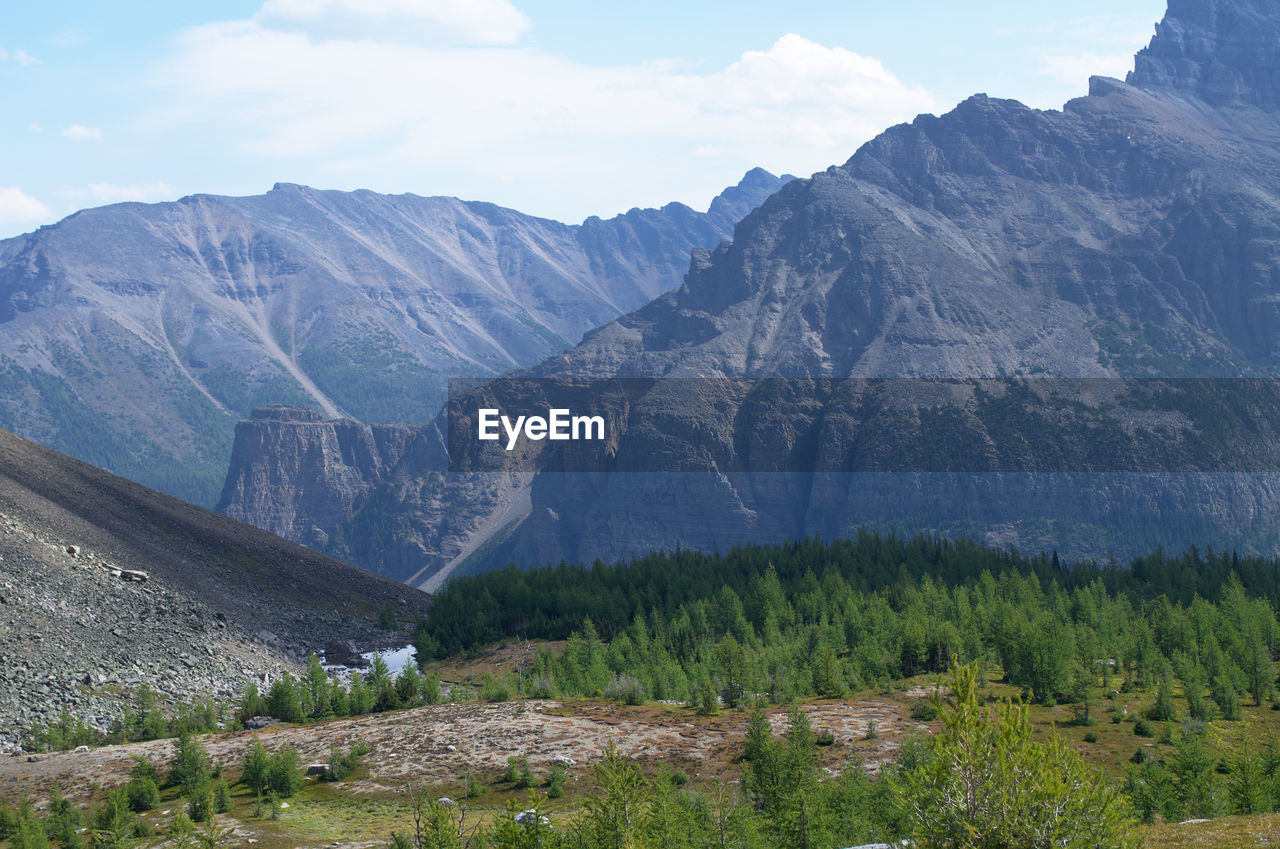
(558, 108)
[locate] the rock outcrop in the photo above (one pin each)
(1224, 53)
(295, 473)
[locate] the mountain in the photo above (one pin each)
(135, 336)
(105, 583)
(1133, 235)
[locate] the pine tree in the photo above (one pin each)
(989, 784)
(256, 765)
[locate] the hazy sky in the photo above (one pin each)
(558, 108)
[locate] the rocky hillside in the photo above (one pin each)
(135, 336)
(1133, 234)
(105, 584)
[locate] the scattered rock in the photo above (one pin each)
(526, 818)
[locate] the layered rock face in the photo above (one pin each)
(1134, 234)
(307, 473)
(134, 336)
(1223, 52)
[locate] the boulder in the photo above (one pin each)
(342, 653)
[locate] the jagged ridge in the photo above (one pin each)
(134, 336)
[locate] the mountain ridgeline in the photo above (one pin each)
(1134, 234)
(135, 335)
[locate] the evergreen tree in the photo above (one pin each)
(256, 766)
(989, 784)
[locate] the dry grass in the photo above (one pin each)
(1225, 833)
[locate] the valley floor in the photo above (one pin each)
(436, 746)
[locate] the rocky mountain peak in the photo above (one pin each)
(1224, 52)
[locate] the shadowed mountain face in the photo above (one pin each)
(135, 336)
(105, 583)
(1134, 234)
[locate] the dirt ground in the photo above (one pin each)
(437, 745)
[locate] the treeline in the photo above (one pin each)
(313, 696)
(317, 695)
(191, 777)
(835, 618)
(142, 720)
(551, 602)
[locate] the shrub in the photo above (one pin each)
(190, 767)
(924, 711)
(542, 688)
(495, 689)
(989, 781)
(63, 819)
(221, 797)
(1090, 737)
(113, 822)
(200, 803)
(519, 772)
(256, 763)
(708, 703)
(625, 689)
(8, 820)
(142, 768)
(284, 775)
(143, 794)
(1163, 710)
(342, 765)
(826, 738)
(555, 781)
(1142, 728)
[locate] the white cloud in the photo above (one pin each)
(79, 132)
(18, 207)
(22, 57)
(109, 193)
(1076, 68)
(433, 22)
(35, 128)
(600, 138)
